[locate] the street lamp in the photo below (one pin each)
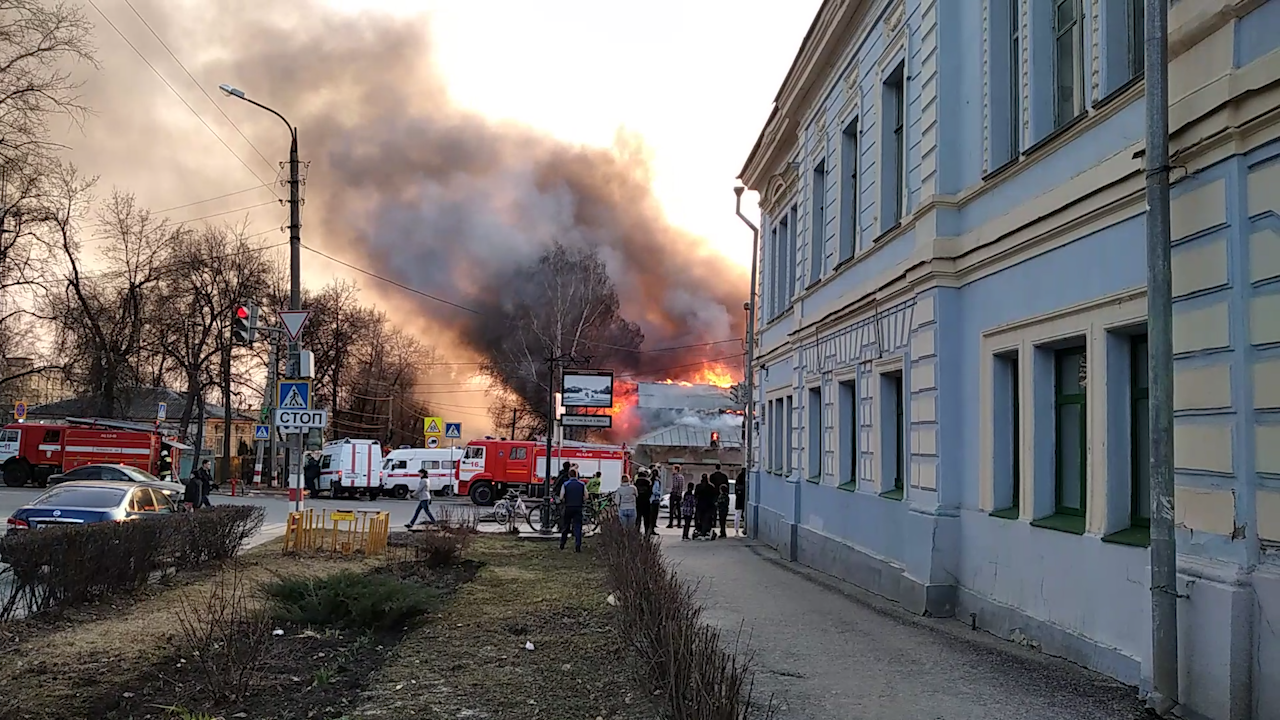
(295, 214)
(295, 279)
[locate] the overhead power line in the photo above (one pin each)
(177, 94)
(198, 84)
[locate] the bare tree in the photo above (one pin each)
(570, 307)
(100, 320)
(40, 43)
(212, 271)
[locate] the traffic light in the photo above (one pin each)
(245, 326)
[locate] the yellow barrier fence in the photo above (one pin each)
(344, 532)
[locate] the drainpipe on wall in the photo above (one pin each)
(1164, 548)
(751, 347)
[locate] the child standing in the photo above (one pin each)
(687, 505)
(722, 507)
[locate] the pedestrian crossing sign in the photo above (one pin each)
(295, 395)
(432, 426)
(261, 432)
(453, 430)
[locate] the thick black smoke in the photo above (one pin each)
(405, 183)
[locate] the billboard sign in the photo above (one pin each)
(587, 389)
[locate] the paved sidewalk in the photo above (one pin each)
(826, 650)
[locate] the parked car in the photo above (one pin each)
(77, 502)
(120, 473)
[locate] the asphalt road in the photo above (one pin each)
(278, 507)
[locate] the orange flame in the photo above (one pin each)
(709, 374)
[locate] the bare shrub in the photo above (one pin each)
(462, 519)
(61, 567)
(226, 633)
(697, 676)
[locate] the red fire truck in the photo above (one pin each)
(31, 452)
(489, 468)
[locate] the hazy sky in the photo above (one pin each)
(694, 79)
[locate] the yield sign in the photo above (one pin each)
(293, 321)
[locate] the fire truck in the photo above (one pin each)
(31, 452)
(489, 467)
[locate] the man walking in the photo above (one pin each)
(204, 478)
(573, 494)
(423, 496)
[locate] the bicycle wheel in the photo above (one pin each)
(501, 512)
(591, 519)
(534, 518)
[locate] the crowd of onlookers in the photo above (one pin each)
(691, 506)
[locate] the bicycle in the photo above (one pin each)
(598, 511)
(534, 516)
(507, 510)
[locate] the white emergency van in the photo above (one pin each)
(403, 467)
(350, 467)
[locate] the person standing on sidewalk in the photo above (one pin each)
(573, 495)
(740, 502)
(655, 503)
(644, 491)
(688, 505)
(722, 508)
(423, 496)
(677, 488)
(625, 496)
(704, 508)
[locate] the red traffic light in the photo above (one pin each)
(242, 312)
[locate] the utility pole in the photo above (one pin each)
(552, 364)
(749, 429)
(293, 371)
(1164, 547)
(295, 303)
(513, 421)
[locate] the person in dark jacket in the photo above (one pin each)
(740, 502)
(311, 474)
(704, 496)
(204, 478)
(565, 472)
(644, 496)
(573, 496)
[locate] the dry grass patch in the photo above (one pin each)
(472, 661)
(102, 652)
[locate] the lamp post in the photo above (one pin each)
(295, 276)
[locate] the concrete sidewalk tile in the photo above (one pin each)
(825, 650)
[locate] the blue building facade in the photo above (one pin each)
(951, 325)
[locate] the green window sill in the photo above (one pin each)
(894, 494)
(816, 479)
(1009, 513)
(849, 486)
(1073, 524)
(1137, 536)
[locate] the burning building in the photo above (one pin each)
(686, 423)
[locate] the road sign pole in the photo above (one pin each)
(295, 474)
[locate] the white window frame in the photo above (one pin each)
(1074, 32)
(893, 114)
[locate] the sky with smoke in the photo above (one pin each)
(403, 180)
